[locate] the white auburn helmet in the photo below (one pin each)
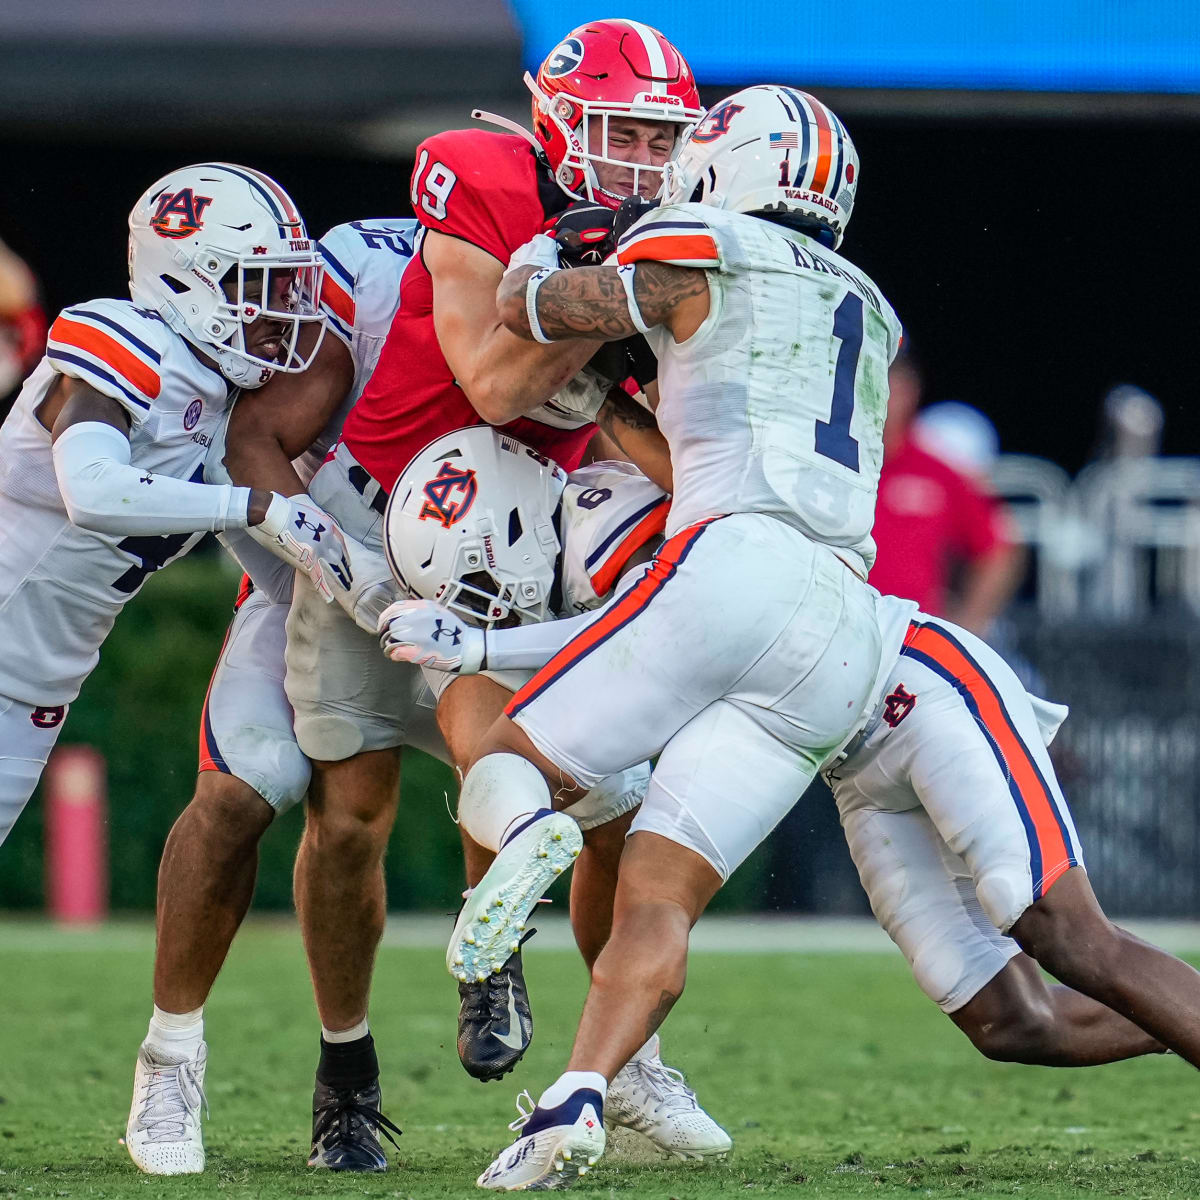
(769, 149)
(194, 227)
(470, 524)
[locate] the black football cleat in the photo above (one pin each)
(495, 1025)
(346, 1127)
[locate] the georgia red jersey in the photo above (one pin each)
(488, 189)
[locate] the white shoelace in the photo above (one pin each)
(524, 1115)
(172, 1093)
(667, 1085)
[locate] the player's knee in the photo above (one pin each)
(1023, 1034)
(230, 806)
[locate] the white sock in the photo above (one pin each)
(346, 1035)
(571, 1082)
(176, 1033)
(500, 791)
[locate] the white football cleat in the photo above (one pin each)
(556, 1145)
(492, 919)
(163, 1135)
(655, 1100)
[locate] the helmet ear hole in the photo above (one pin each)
(174, 284)
(697, 193)
(515, 528)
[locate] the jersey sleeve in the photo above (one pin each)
(677, 235)
(610, 511)
(114, 348)
(480, 187)
(363, 264)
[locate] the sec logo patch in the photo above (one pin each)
(192, 414)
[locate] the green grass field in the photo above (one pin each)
(833, 1074)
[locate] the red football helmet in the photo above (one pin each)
(605, 69)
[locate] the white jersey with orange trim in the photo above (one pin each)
(610, 510)
(360, 293)
(61, 587)
(776, 404)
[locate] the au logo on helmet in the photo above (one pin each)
(441, 501)
(179, 214)
(716, 123)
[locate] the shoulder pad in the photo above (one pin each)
(114, 347)
(363, 264)
(480, 187)
(676, 234)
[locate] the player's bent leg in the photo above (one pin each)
(1066, 931)
(1019, 1017)
(663, 888)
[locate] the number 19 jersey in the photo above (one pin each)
(61, 586)
(776, 404)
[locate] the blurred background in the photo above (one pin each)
(1022, 207)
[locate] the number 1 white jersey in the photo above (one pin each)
(776, 404)
(61, 587)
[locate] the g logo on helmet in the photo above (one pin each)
(440, 501)
(564, 58)
(179, 214)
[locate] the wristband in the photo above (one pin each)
(531, 290)
(625, 274)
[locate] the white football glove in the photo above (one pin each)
(540, 251)
(309, 538)
(574, 405)
(425, 633)
(372, 585)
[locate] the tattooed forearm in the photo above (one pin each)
(590, 302)
(620, 411)
(665, 1003)
(637, 436)
(587, 302)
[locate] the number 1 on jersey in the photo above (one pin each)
(833, 436)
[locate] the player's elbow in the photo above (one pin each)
(494, 399)
(84, 499)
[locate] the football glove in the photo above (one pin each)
(583, 233)
(425, 633)
(629, 214)
(309, 538)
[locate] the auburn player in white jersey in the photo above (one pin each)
(523, 544)
(250, 766)
(958, 828)
(773, 352)
(102, 456)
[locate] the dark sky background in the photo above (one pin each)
(1034, 265)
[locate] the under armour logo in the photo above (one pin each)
(302, 522)
(454, 635)
(147, 478)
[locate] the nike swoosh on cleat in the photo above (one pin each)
(512, 1039)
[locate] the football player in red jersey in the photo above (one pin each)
(609, 104)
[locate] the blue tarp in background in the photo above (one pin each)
(1022, 45)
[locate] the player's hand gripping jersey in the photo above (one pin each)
(776, 404)
(62, 586)
(487, 189)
